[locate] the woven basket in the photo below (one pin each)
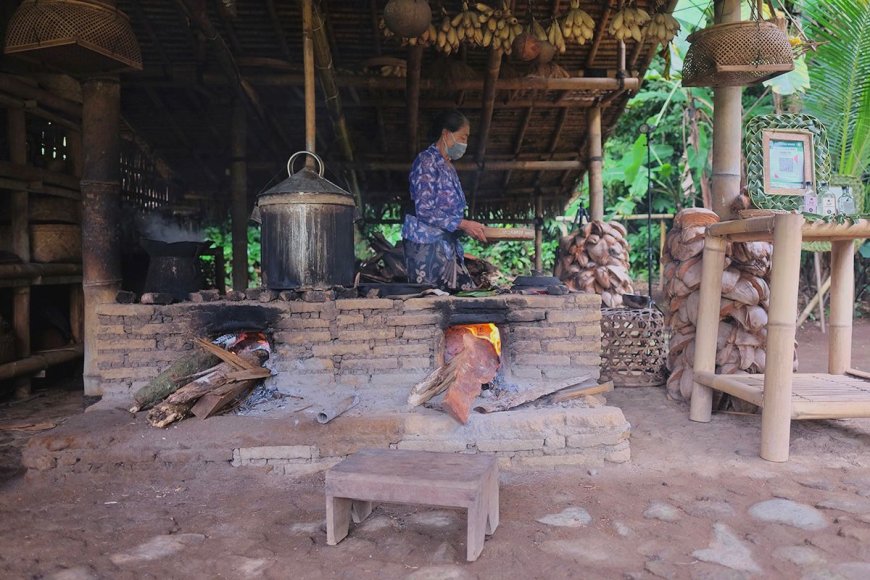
(51, 243)
(47, 209)
(736, 54)
(634, 346)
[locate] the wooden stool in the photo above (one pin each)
(413, 477)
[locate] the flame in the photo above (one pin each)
(488, 332)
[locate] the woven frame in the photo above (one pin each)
(634, 346)
(755, 157)
(102, 29)
(736, 54)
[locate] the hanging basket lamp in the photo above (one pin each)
(75, 36)
(736, 54)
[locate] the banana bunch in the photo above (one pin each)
(385, 30)
(500, 27)
(628, 22)
(538, 31)
(555, 37)
(447, 39)
(428, 38)
(663, 28)
(577, 25)
(468, 26)
(390, 70)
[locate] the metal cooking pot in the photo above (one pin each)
(307, 231)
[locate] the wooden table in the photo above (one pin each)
(413, 477)
(781, 394)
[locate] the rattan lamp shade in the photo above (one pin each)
(75, 36)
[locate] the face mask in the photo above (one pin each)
(456, 150)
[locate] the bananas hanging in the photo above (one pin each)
(577, 25)
(500, 27)
(663, 28)
(628, 23)
(555, 36)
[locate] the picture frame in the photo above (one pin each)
(788, 161)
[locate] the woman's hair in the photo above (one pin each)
(451, 119)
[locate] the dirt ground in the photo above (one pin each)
(694, 502)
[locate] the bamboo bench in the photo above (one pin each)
(452, 480)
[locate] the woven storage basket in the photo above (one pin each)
(736, 54)
(48, 209)
(634, 346)
(50, 243)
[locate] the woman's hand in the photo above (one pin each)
(473, 229)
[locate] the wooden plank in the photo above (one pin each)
(508, 234)
(577, 392)
(857, 373)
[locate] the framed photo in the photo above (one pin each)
(788, 161)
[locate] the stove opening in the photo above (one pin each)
(454, 338)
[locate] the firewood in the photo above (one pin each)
(171, 379)
(479, 365)
(215, 402)
(434, 384)
(224, 374)
(577, 392)
(165, 414)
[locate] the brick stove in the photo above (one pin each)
(378, 349)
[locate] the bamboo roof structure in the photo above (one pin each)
(528, 133)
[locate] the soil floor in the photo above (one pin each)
(695, 501)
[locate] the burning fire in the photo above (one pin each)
(486, 331)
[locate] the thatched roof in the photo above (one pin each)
(181, 103)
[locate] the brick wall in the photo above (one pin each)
(385, 344)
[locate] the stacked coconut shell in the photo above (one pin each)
(595, 259)
(743, 312)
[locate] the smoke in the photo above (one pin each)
(156, 227)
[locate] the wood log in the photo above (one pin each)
(577, 392)
(171, 379)
(220, 399)
(164, 414)
(223, 374)
(508, 234)
(434, 384)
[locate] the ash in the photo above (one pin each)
(499, 387)
(262, 399)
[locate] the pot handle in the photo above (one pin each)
(293, 157)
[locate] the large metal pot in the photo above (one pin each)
(307, 231)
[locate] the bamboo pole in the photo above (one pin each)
(713, 262)
(785, 274)
(39, 361)
(76, 292)
(596, 181)
(519, 165)
(308, 62)
(727, 130)
(842, 293)
(239, 179)
(817, 266)
(415, 62)
(826, 285)
(16, 132)
(493, 66)
(539, 234)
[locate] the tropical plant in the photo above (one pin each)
(840, 79)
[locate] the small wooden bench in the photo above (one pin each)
(413, 477)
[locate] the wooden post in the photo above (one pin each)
(842, 296)
(713, 262)
(239, 178)
(785, 274)
(817, 266)
(16, 132)
(596, 181)
(415, 60)
(727, 130)
(76, 293)
(308, 62)
(539, 234)
(101, 173)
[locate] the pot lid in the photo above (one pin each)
(305, 181)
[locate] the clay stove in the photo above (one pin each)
(378, 349)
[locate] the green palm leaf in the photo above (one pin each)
(840, 79)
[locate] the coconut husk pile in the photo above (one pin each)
(595, 259)
(743, 312)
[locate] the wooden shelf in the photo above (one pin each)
(783, 395)
(813, 396)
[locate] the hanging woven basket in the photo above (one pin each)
(736, 54)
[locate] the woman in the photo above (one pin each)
(433, 253)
